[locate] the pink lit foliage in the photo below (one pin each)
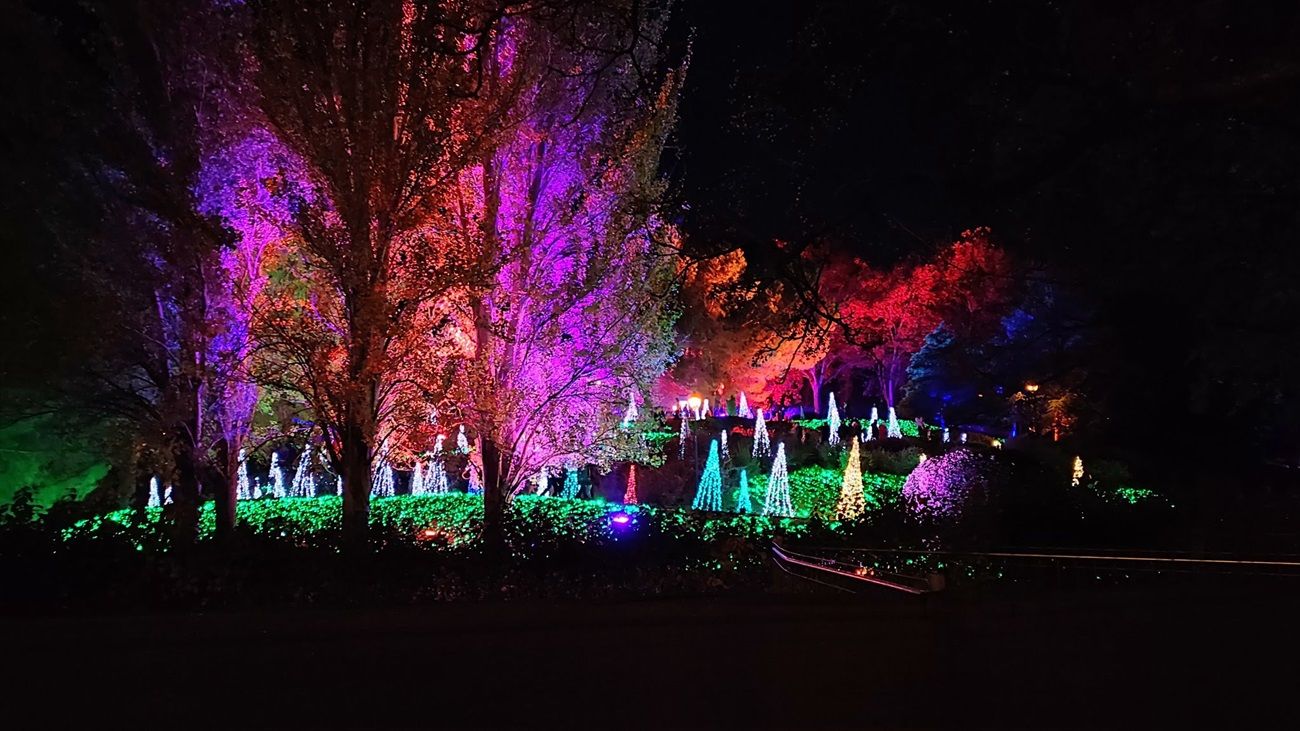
(949, 486)
(577, 314)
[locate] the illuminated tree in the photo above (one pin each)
(304, 483)
(833, 421)
(852, 500)
(708, 495)
(631, 414)
(571, 488)
(724, 452)
(891, 428)
(277, 476)
(384, 480)
(417, 479)
(744, 504)
(762, 446)
(244, 488)
(683, 434)
(629, 495)
(777, 501)
(744, 411)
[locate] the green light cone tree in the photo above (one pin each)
(708, 496)
(744, 504)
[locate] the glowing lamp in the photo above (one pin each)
(1031, 388)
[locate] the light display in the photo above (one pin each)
(631, 414)
(868, 432)
(705, 411)
(722, 448)
(875, 415)
(742, 409)
(1076, 473)
(963, 437)
(462, 442)
(891, 429)
(571, 487)
(683, 435)
(304, 483)
(277, 476)
(777, 500)
(474, 482)
(852, 501)
(384, 485)
(417, 479)
(947, 437)
(338, 484)
(154, 498)
(708, 496)
(744, 504)
(762, 445)
(243, 487)
(629, 495)
(833, 421)
(436, 481)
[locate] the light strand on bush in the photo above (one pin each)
(277, 476)
(891, 429)
(743, 502)
(243, 487)
(417, 479)
(629, 495)
(571, 488)
(384, 482)
(762, 445)
(708, 496)
(777, 500)
(304, 483)
(631, 414)
(742, 409)
(852, 502)
(833, 421)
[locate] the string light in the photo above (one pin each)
(833, 421)
(1077, 473)
(762, 445)
(629, 495)
(304, 484)
(708, 496)
(417, 479)
(744, 504)
(722, 448)
(852, 502)
(570, 484)
(683, 435)
(777, 501)
(243, 488)
(891, 429)
(277, 476)
(631, 414)
(154, 499)
(384, 480)
(947, 437)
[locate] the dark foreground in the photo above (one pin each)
(1112, 659)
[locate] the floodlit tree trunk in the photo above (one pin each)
(228, 493)
(356, 488)
(494, 499)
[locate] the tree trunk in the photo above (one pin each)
(494, 500)
(356, 488)
(185, 497)
(815, 381)
(227, 495)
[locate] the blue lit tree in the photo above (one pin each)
(708, 496)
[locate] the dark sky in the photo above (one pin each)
(895, 124)
(1146, 152)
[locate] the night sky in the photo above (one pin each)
(1146, 152)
